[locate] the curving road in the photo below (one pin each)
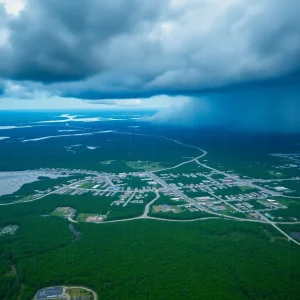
(83, 288)
(147, 208)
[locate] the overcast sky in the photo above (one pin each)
(94, 53)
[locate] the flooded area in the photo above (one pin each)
(295, 235)
(74, 231)
(11, 182)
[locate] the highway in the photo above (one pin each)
(275, 226)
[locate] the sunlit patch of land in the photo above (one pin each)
(145, 165)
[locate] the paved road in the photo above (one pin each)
(181, 164)
(186, 162)
(172, 140)
(143, 216)
(109, 182)
(188, 199)
(72, 220)
(291, 197)
(147, 208)
(128, 200)
(225, 202)
(191, 220)
(276, 180)
(243, 181)
(275, 226)
(121, 220)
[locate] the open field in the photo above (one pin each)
(148, 165)
(77, 293)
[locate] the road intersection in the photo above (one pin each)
(179, 193)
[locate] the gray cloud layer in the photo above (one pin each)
(127, 48)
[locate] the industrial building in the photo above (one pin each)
(50, 293)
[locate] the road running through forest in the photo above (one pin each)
(147, 208)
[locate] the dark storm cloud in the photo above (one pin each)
(137, 48)
(56, 40)
(2, 88)
(270, 108)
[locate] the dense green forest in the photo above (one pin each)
(72, 152)
(144, 259)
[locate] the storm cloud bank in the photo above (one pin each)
(266, 110)
(132, 48)
(237, 60)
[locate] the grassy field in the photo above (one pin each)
(77, 292)
(88, 185)
(245, 188)
(183, 215)
(292, 210)
(82, 217)
(56, 213)
(148, 165)
(158, 209)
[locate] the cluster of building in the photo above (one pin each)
(95, 219)
(138, 198)
(206, 182)
(254, 215)
(269, 216)
(147, 184)
(133, 187)
(248, 196)
(67, 212)
(191, 208)
(244, 206)
(292, 156)
(130, 197)
(271, 204)
(55, 292)
(123, 199)
(177, 175)
(95, 190)
(281, 189)
(211, 203)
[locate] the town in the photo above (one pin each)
(209, 190)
